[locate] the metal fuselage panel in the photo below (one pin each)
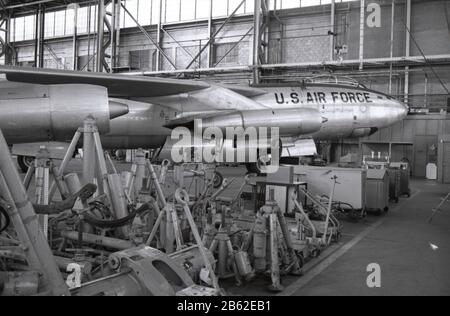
(344, 109)
(142, 127)
(32, 113)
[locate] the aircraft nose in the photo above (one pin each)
(403, 110)
(399, 111)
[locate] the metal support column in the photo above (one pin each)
(42, 184)
(115, 34)
(89, 160)
(159, 37)
(361, 34)
(25, 221)
(5, 36)
(261, 24)
(408, 49)
(103, 45)
(333, 28)
(392, 45)
(74, 7)
(210, 28)
(39, 40)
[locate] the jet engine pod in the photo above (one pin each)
(54, 112)
(71, 104)
(289, 121)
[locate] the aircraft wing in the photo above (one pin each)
(119, 86)
(248, 92)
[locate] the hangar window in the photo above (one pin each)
(226, 54)
(142, 59)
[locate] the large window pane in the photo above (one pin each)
(289, 4)
(145, 7)
(20, 23)
(220, 8)
(272, 4)
(69, 22)
(82, 20)
(132, 7)
(49, 29)
(173, 10)
(29, 27)
(250, 6)
(94, 18)
(233, 4)
(187, 10)
(156, 9)
(309, 3)
(203, 9)
(12, 30)
(60, 23)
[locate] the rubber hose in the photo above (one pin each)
(118, 222)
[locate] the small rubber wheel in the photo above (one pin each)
(25, 162)
(218, 180)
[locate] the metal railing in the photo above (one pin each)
(335, 80)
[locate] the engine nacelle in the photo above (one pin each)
(54, 112)
(289, 121)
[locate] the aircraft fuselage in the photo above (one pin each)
(346, 111)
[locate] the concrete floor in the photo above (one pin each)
(401, 242)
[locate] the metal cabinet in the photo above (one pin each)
(377, 191)
(394, 185)
(405, 176)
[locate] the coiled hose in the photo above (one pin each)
(105, 224)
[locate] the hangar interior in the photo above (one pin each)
(399, 48)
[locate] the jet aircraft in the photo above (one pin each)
(43, 105)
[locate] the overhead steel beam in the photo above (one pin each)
(213, 37)
(350, 64)
(144, 31)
